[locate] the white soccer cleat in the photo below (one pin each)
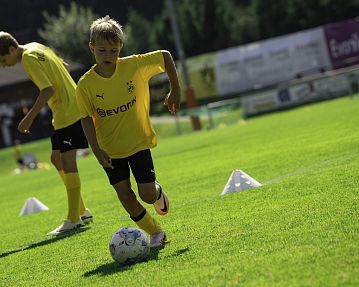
(158, 239)
(87, 216)
(162, 205)
(66, 226)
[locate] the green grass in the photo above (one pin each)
(220, 117)
(299, 229)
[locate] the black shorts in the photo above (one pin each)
(69, 138)
(141, 166)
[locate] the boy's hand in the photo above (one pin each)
(24, 125)
(103, 158)
(173, 100)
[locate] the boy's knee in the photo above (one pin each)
(148, 195)
(68, 161)
(56, 160)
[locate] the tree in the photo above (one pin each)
(205, 26)
(278, 17)
(68, 33)
(137, 31)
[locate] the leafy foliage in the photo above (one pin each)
(278, 17)
(68, 33)
(137, 33)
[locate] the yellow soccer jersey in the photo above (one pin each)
(46, 69)
(119, 105)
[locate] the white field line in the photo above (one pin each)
(312, 167)
(281, 177)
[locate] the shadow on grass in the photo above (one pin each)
(114, 267)
(45, 242)
(178, 252)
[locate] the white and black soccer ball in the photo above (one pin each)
(129, 245)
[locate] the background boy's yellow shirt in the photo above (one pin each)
(120, 105)
(45, 69)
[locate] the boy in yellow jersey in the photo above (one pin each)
(114, 101)
(57, 89)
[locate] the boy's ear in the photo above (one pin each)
(91, 47)
(12, 49)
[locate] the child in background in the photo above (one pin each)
(113, 98)
(57, 89)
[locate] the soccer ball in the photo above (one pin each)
(129, 245)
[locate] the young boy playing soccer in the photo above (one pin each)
(57, 89)
(113, 98)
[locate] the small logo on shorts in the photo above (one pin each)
(68, 142)
(100, 96)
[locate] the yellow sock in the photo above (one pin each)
(62, 174)
(73, 187)
(148, 224)
(82, 207)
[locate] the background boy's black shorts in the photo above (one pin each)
(69, 138)
(141, 166)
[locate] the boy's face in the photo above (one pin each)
(106, 53)
(10, 59)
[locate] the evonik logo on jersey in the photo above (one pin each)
(119, 109)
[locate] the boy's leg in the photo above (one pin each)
(134, 208)
(120, 179)
(128, 198)
(151, 226)
(71, 180)
(56, 161)
(55, 157)
(70, 139)
(65, 142)
(148, 192)
(73, 185)
(153, 193)
(149, 189)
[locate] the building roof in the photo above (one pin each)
(17, 74)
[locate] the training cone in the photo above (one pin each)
(33, 205)
(239, 181)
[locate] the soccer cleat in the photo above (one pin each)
(158, 239)
(87, 216)
(162, 205)
(66, 226)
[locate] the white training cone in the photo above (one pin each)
(32, 205)
(239, 181)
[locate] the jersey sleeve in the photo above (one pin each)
(151, 64)
(35, 71)
(83, 103)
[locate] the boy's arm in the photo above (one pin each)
(173, 98)
(41, 101)
(90, 132)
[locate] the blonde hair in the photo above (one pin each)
(7, 41)
(107, 29)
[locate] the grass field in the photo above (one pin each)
(299, 229)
